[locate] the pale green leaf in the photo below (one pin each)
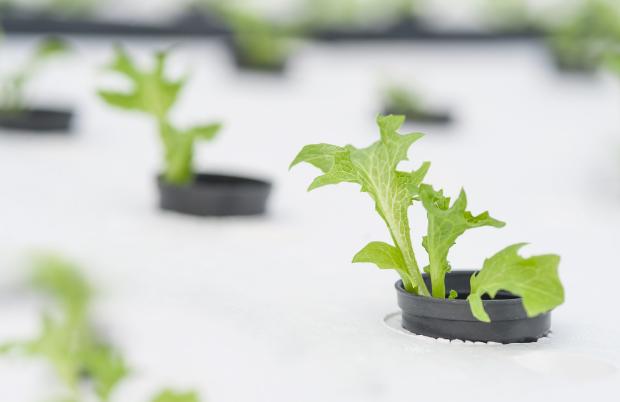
(105, 368)
(342, 171)
(382, 255)
(121, 100)
(204, 132)
(375, 169)
(174, 396)
(445, 224)
(151, 91)
(321, 156)
(535, 279)
(62, 281)
(453, 294)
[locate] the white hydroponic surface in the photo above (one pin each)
(271, 309)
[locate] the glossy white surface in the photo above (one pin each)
(270, 309)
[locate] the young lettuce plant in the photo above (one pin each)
(583, 40)
(351, 14)
(154, 95)
(258, 42)
(12, 97)
(393, 191)
(86, 366)
(402, 101)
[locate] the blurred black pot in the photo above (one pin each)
(39, 120)
(422, 116)
(215, 195)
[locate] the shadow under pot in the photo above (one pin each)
(38, 120)
(215, 195)
(422, 116)
(452, 319)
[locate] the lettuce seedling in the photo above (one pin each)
(402, 101)
(258, 41)
(508, 15)
(350, 14)
(68, 342)
(583, 40)
(154, 95)
(393, 191)
(12, 88)
(67, 339)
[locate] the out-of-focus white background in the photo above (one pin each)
(270, 308)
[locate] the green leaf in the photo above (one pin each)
(121, 100)
(375, 169)
(453, 294)
(106, 369)
(67, 340)
(382, 255)
(445, 224)
(174, 396)
(321, 156)
(154, 94)
(535, 279)
(151, 91)
(61, 343)
(204, 132)
(61, 280)
(50, 47)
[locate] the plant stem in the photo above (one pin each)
(406, 250)
(438, 282)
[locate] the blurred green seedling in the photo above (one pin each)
(153, 94)
(87, 366)
(582, 41)
(12, 87)
(260, 42)
(400, 100)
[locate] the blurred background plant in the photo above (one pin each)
(509, 16)
(258, 41)
(350, 14)
(12, 87)
(62, 8)
(398, 99)
(155, 95)
(581, 40)
(85, 364)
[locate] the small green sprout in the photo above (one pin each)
(393, 191)
(12, 88)
(259, 42)
(154, 95)
(584, 39)
(350, 14)
(398, 100)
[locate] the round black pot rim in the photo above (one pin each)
(208, 179)
(400, 287)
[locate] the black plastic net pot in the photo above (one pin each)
(215, 195)
(452, 319)
(38, 120)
